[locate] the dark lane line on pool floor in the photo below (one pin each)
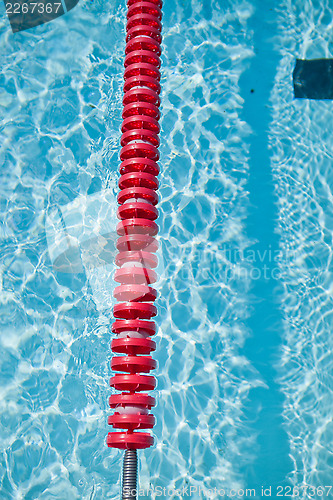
(263, 412)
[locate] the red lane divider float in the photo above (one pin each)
(136, 244)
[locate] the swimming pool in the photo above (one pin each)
(244, 375)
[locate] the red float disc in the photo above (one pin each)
(144, 30)
(137, 192)
(142, 56)
(144, 8)
(145, 19)
(134, 310)
(143, 43)
(133, 364)
(138, 179)
(137, 293)
(139, 149)
(156, 2)
(141, 108)
(148, 259)
(133, 346)
(123, 325)
(131, 421)
(132, 399)
(142, 69)
(135, 242)
(137, 209)
(135, 276)
(142, 80)
(137, 226)
(141, 95)
(129, 441)
(139, 165)
(140, 121)
(144, 135)
(133, 382)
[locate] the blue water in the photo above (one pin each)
(245, 307)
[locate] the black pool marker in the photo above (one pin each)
(313, 79)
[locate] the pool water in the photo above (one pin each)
(245, 293)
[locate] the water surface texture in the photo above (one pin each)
(245, 294)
